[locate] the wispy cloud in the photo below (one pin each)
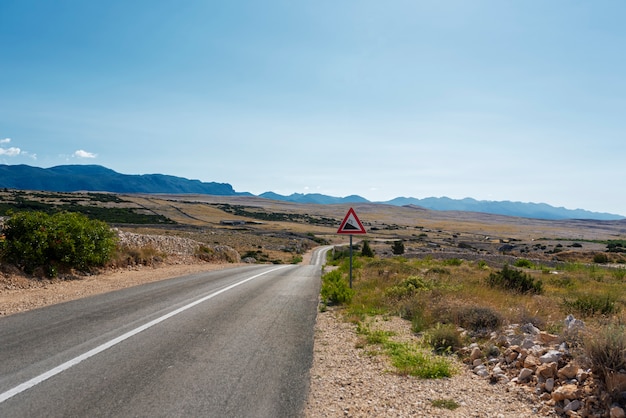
(11, 152)
(84, 154)
(5, 140)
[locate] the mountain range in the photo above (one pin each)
(70, 178)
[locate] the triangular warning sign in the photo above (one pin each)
(351, 224)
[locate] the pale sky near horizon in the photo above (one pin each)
(489, 99)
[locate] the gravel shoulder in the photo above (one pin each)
(347, 381)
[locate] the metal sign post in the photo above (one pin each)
(350, 261)
(351, 225)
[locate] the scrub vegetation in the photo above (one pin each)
(440, 297)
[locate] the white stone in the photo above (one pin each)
(551, 356)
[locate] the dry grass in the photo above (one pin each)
(441, 292)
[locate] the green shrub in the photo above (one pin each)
(514, 280)
(409, 287)
(367, 251)
(335, 288)
(67, 240)
(590, 305)
(397, 247)
(523, 263)
(482, 264)
(444, 338)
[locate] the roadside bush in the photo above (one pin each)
(514, 280)
(335, 288)
(66, 240)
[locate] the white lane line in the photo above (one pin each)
(44, 376)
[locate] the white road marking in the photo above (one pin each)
(44, 376)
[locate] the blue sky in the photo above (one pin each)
(495, 100)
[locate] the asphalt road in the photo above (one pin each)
(229, 343)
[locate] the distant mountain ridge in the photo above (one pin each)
(71, 178)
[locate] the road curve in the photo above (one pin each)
(228, 343)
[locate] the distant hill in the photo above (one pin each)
(70, 178)
(314, 198)
(507, 208)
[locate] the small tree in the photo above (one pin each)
(367, 251)
(398, 247)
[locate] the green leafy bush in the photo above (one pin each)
(514, 280)
(335, 288)
(67, 240)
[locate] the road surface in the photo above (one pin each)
(228, 343)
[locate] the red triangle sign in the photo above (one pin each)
(351, 224)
